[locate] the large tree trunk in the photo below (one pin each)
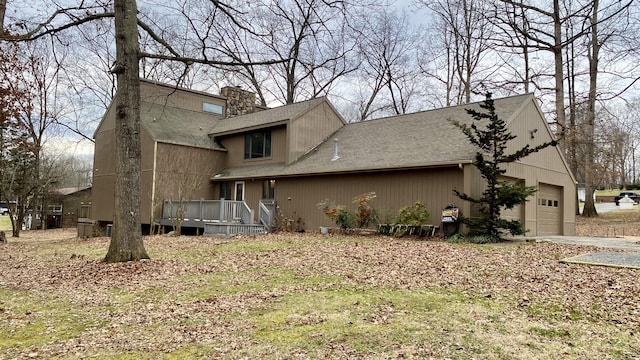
(126, 242)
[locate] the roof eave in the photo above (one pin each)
(456, 163)
(249, 128)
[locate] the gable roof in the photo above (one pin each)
(260, 119)
(178, 126)
(422, 139)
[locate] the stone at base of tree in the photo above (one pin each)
(3, 237)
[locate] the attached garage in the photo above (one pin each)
(550, 209)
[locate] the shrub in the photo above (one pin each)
(364, 216)
(365, 213)
(413, 215)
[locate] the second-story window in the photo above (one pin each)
(257, 145)
(212, 108)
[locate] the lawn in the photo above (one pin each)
(286, 296)
(5, 223)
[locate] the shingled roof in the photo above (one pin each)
(259, 119)
(178, 126)
(418, 140)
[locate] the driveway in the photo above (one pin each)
(626, 243)
(604, 207)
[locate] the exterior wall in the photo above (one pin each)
(182, 98)
(534, 176)
(235, 146)
(104, 155)
(298, 197)
(71, 207)
(544, 167)
(104, 177)
(311, 129)
(181, 172)
(104, 171)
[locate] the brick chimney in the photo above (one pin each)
(239, 101)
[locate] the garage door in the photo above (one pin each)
(549, 210)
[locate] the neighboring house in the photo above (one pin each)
(300, 154)
(71, 200)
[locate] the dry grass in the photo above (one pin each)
(287, 296)
(611, 224)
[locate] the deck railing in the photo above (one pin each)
(266, 213)
(209, 210)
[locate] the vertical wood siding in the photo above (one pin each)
(312, 129)
(181, 167)
(298, 197)
(166, 95)
(235, 146)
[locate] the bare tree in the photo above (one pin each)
(466, 35)
(387, 49)
(307, 37)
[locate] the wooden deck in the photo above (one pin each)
(218, 217)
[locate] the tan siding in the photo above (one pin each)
(102, 191)
(534, 176)
(181, 98)
(311, 129)
(104, 168)
(235, 146)
(183, 172)
(527, 120)
(297, 197)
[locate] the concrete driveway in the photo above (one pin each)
(604, 207)
(626, 243)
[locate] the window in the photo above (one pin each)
(212, 108)
(268, 189)
(257, 145)
(225, 190)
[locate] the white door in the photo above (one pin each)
(239, 193)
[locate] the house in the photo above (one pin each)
(297, 155)
(70, 200)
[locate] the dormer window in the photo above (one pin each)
(257, 145)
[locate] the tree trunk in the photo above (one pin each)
(589, 206)
(3, 9)
(126, 241)
(559, 71)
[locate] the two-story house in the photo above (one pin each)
(209, 147)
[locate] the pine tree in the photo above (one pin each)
(492, 140)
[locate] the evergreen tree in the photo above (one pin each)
(492, 139)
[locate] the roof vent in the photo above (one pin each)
(335, 150)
